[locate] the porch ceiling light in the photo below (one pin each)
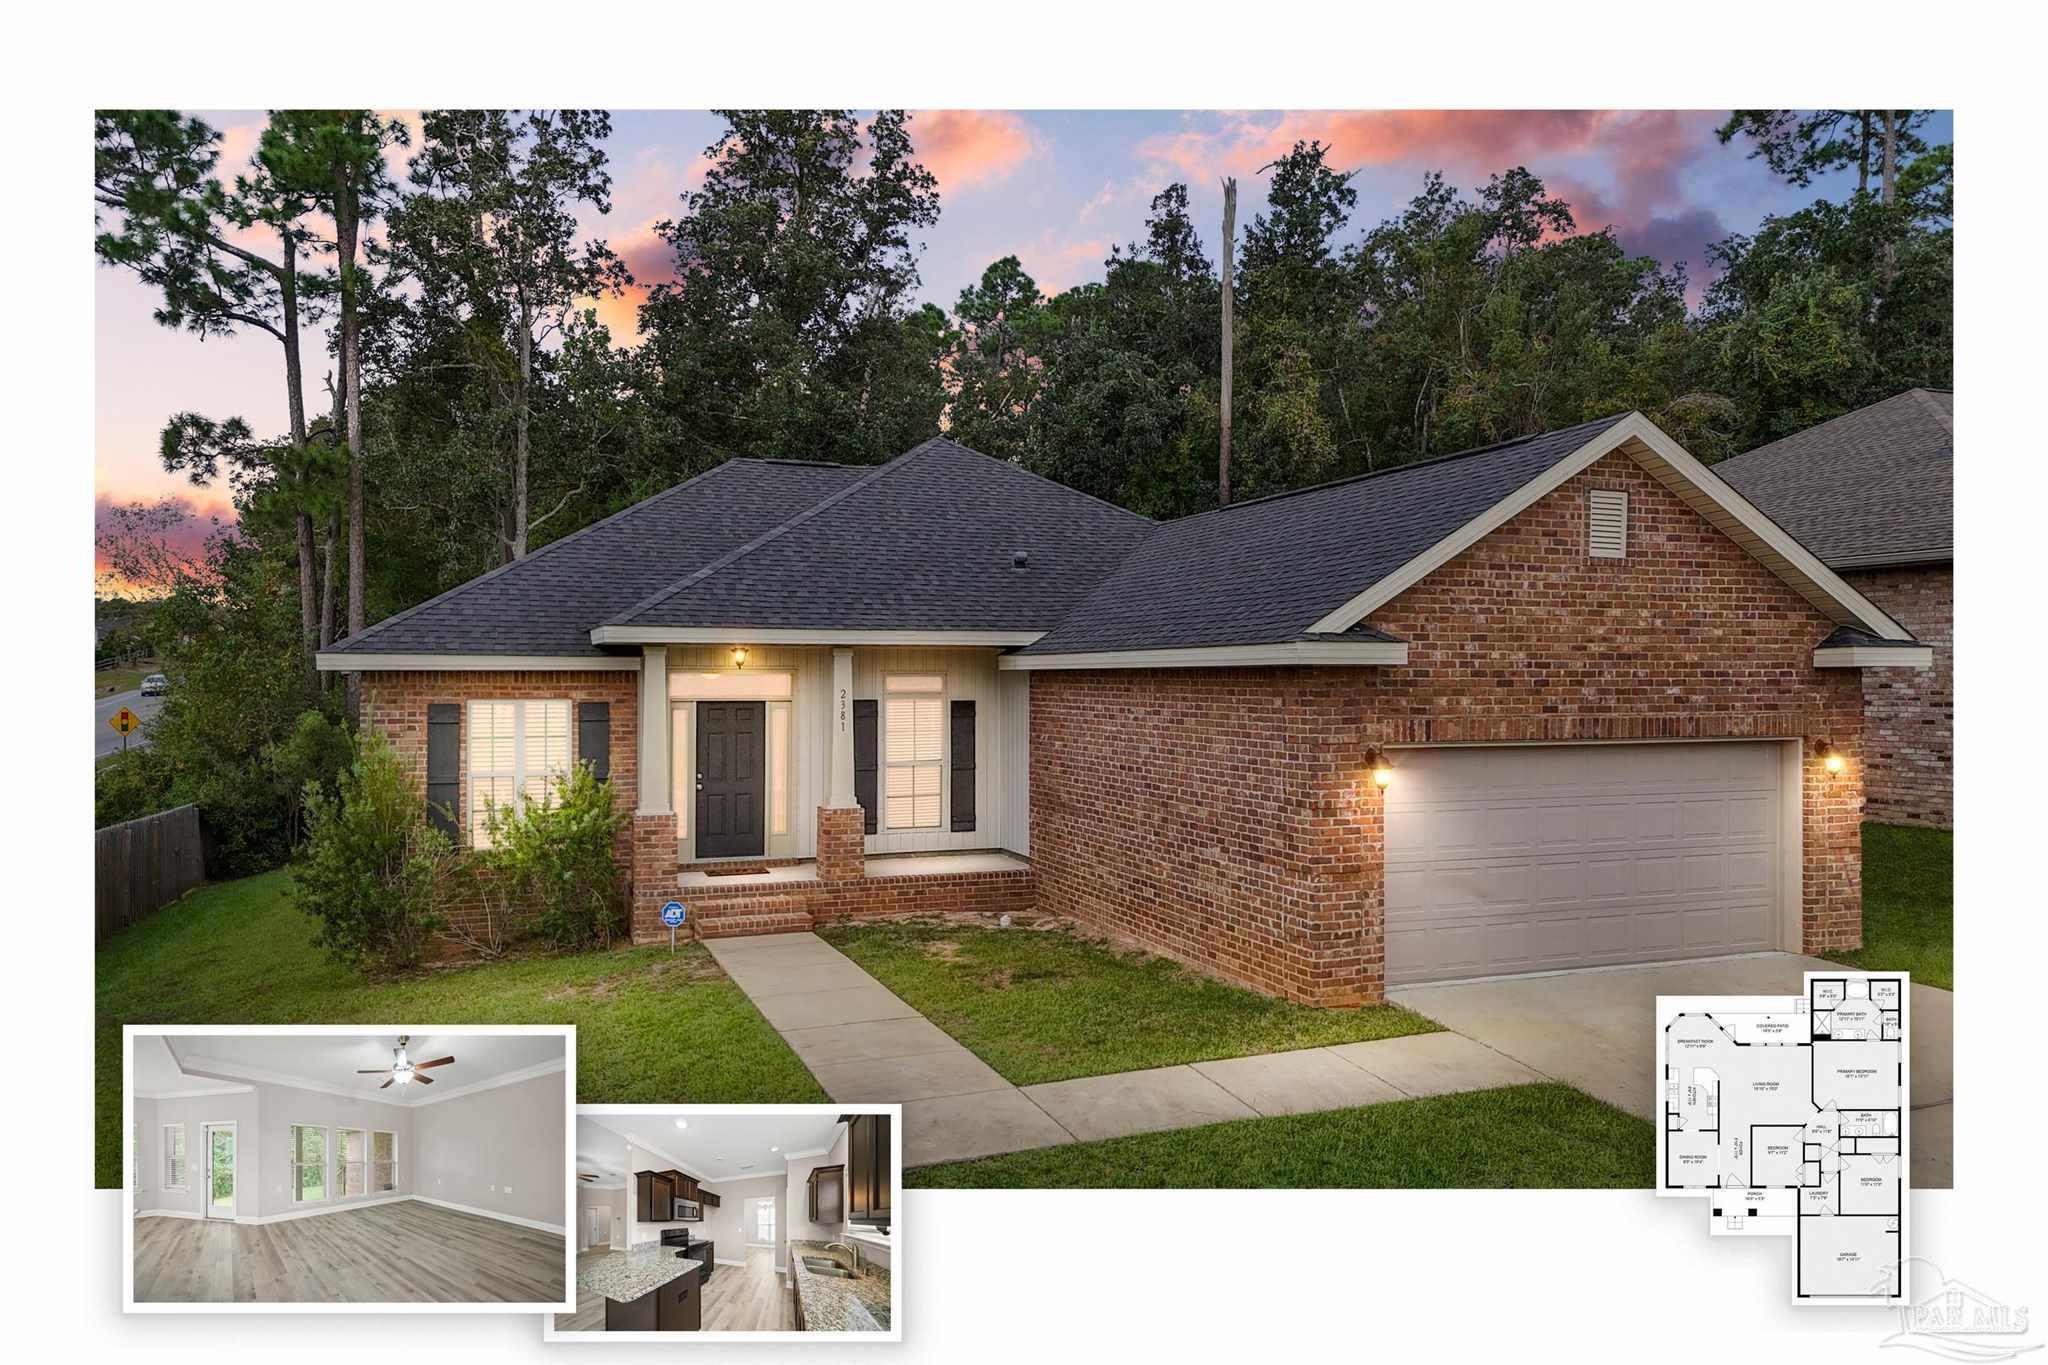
(1830, 758)
(1382, 765)
(739, 656)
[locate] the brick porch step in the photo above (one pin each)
(753, 915)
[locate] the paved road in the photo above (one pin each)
(104, 738)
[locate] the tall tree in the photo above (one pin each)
(492, 234)
(335, 158)
(998, 359)
(1226, 303)
(188, 234)
(1799, 144)
(785, 330)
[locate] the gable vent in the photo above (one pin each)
(1607, 523)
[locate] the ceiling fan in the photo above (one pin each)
(403, 1070)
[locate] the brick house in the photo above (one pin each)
(1565, 701)
(1871, 493)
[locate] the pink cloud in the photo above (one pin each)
(969, 147)
(182, 524)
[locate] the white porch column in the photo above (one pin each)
(840, 793)
(654, 717)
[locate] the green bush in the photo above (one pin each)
(554, 860)
(373, 870)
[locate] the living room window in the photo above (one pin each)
(383, 1162)
(518, 751)
(351, 1162)
(309, 1164)
(174, 1156)
(913, 750)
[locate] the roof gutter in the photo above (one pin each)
(1352, 653)
(344, 661)
(759, 635)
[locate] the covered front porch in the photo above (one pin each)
(791, 783)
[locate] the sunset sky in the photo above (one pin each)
(1055, 189)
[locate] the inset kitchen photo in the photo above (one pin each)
(745, 1221)
(338, 1169)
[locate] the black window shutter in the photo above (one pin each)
(594, 737)
(444, 764)
(867, 758)
(963, 765)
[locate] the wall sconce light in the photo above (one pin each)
(739, 656)
(1382, 765)
(1830, 758)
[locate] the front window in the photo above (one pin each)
(174, 1156)
(518, 752)
(309, 1164)
(351, 1162)
(913, 750)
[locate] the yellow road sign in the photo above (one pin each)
(125, 722)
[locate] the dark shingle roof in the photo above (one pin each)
(1871, 487)
(924, 542)
(547, 602)
(1262, 572)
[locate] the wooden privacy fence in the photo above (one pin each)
(143, 865)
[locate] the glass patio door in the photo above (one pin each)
(220, 1170)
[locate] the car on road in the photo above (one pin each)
(155, 685)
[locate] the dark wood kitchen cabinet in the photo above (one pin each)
(870, 1168)
(827, 1201)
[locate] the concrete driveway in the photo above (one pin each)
(1594, 1030)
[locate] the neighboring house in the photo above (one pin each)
(1871, 493)
(1564, 701)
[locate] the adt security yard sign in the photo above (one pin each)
(673, 914)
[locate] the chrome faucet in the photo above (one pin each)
(848, 1250)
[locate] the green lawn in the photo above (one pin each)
(651, 1026)
(115, 680)
(1524, 1137)
(1046, 1005)
(1908, 905)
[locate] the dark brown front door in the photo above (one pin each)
(732, 781)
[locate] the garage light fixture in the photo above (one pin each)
(1829, 757)
(739, 656)
(1382, 764)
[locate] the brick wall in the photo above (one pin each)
(1225, 816)
(396, 703)
(1909, 713)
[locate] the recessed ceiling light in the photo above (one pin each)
(682, 1123)
(774, 1149)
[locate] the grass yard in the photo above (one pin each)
(116, 680)
(1524, 1137)
(1046, 1005)
(651, 1026)
(1909, 893)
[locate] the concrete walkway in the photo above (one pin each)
(865, 1045)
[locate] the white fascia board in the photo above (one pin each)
(476, 663)
(1800, 568)
(1384, 653)
(750, 635)
(1874, 656)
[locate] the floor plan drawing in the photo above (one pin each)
(1788, 1116)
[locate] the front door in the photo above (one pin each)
(732, 780)
(220, 1170)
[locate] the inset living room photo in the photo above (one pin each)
(332, 1168)
(735, 1220)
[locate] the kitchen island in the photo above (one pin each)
(649, 1289)
(846, 1296)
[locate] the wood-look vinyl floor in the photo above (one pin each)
(749, 1298)
(404, 1252)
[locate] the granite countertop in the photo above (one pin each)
(832, 1304)
(626, 1275)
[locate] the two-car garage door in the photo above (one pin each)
(1522, 859)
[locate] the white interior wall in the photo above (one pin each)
(727, 1225)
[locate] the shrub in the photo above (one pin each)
(373, 869)
(554, 860)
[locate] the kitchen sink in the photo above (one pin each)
(821, 1265)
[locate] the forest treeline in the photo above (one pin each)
(471, 407)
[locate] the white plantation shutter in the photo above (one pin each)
(517, 749)
(913, 745)
(1607, 523)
